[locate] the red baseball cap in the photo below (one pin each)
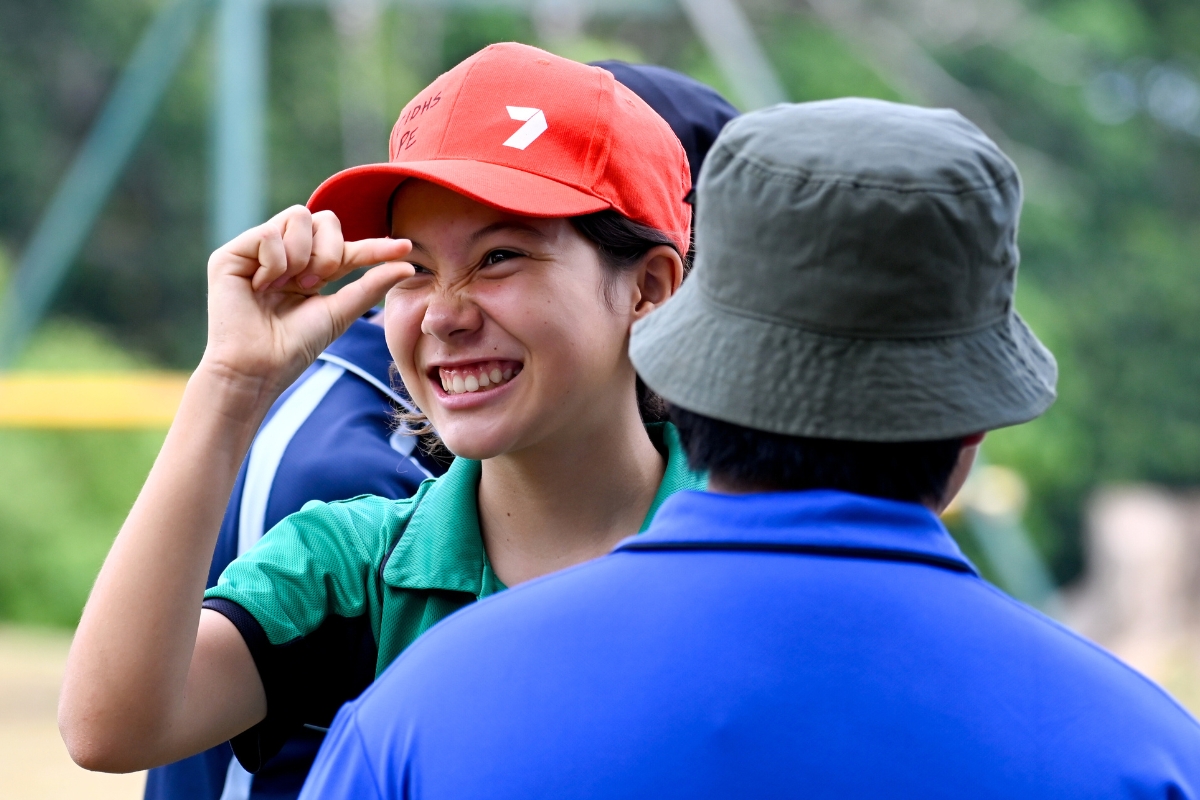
(525, 131)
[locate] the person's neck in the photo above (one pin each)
(569, 498)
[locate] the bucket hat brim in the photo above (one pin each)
(751, 371)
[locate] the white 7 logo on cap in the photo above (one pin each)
(535, 125)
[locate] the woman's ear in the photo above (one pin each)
(658, 278)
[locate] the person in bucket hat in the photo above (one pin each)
(807, 627)
(532, 209)
(891, 318)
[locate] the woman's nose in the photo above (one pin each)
(451, 316)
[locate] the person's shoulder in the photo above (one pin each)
(366, 523)
(323, 541)
(331, 439)
(477, 662)
(346, 412)
(364, 512)
(517, 619)
(372, 505)
(1091, 668)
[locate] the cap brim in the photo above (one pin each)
(708, 359)
(359, 195)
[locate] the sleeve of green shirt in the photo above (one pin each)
(306, 600)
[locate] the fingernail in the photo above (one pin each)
(309, 281)
(279, 282)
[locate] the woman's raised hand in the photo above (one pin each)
(146, 682)
(266, 320)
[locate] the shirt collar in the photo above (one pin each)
(822, 521)
(363, 350)
(442, 548)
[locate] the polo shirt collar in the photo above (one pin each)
(363, 350)
(442, 547)
(823, 521)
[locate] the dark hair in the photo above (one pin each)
(910, 471)
(621, 243)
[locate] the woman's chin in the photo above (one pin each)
(467, 442)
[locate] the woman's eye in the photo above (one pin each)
(496, 256)
(417, 268)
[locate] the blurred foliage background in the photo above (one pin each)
(1097, 100)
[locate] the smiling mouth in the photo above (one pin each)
(477, 377)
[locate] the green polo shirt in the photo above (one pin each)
(333, 593)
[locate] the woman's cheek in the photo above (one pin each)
(402, 315)
(543, 296)
(512, 305)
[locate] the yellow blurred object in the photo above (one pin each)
(997, 491)
(992, 490)
(108, 400)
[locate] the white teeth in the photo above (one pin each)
(455, 382)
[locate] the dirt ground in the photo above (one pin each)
(34, 764)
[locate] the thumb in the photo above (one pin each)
(353, 300)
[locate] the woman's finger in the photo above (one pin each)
(366, 252)
(297, 225)
(353, 300)
(354, 256)
(240, 255)
(270, 255)
(327, 248)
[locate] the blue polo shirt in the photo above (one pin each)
(328, 437)
(808, 644)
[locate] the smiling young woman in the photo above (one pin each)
(530, 250)
(568, 469)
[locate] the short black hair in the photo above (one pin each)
(914, 472)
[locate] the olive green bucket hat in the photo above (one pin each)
(855, 268)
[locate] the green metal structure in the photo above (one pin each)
(67, 222)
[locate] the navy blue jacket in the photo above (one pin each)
(808, 644)
(328, 437)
